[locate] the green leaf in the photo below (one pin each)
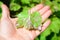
(59, 38)
(25, 8)
(55, 25)
(0, 9)
(55, 5)
(48, 2)
(1, 3)
(29, 21)
(59, 7)
(36, 19)
(46, 32)
(0, 13)
(54, 37)
(22, 18)
(32, 5)
(25, 1)
(14, 7)
(12, 1)
(36, 1)
(42, 38)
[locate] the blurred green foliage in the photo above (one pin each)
(53, 31)
(0, 9)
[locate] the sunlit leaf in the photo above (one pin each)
(14, 7)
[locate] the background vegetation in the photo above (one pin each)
(53, 31)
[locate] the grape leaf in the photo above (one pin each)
(25, 1)
(14, 7)
(29, 20)
(36, 19)
(23, 15)
(55, 25)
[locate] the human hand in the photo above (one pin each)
(8, 30)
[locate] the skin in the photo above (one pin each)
(8, 30)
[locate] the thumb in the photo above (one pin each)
(6, 26)
(5, 11)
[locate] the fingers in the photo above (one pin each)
(5, 11)
(36, 8)
(45, 12)
(44, 9)
(45, 25)
(46, 15)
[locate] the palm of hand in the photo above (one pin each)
(8, 26)
(29, 34)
